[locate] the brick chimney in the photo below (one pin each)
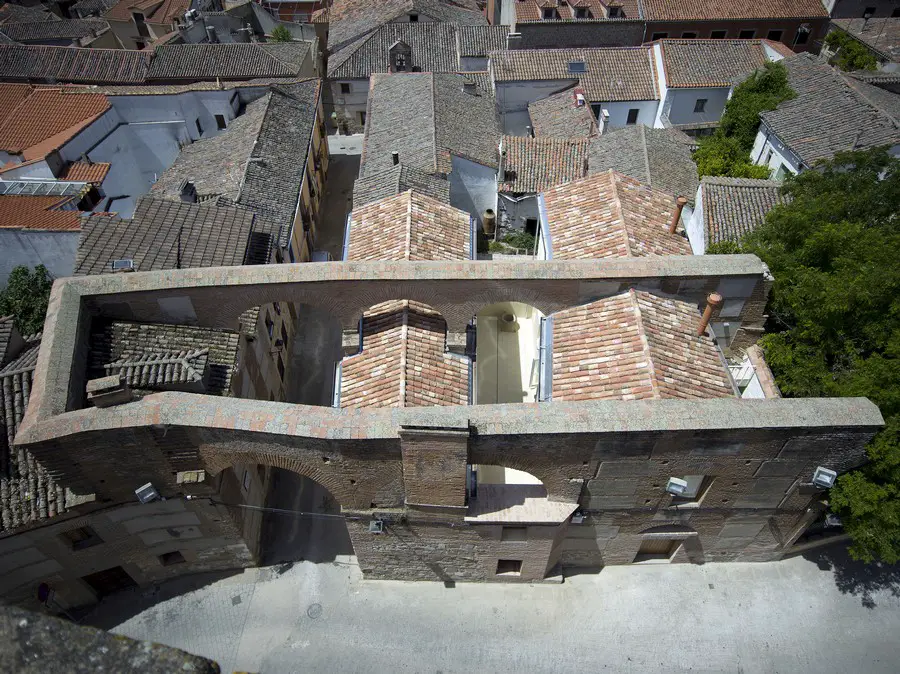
(713, 302)
(676, 214)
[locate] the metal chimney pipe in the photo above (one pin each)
(395, 156)
(713, 302)
(676, 214)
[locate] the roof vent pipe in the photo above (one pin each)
(395, 157)
(713, 302)
(469, 88)
(680, 203)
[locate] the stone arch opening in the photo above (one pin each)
(508, 337)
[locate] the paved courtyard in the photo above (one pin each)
(819, 613)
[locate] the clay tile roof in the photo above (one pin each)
(733, 207)
(535, 164)
(80, 171)
(155, 11)
(72, 64)
(701, 10)
(635, 346)
(560, 116)
(611, 74)
(532, 10)
(46, 119)
(710, 63)
(11, 95)
(880, 35)
(169, 370)
(66, 29)
(481, 40)
(440, 120)
(610, 215)
(397, 179)
(409, 226)
(27, 493)
(227, 61)
(38, 213)
(14, 13)
(403, 362)
(658, 158)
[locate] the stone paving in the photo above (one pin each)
(819, 613)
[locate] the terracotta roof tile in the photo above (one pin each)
(38, 213)
(634, 346)
(409, 226)
(710, 63)
(560, 116)
(46, 119)
(694, 10)
(164, 12)
(610, 215)
(612, 74)
(535, 164)
(11, 95)
(80, 171)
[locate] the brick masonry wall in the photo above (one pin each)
(703, 29)
(571, 34)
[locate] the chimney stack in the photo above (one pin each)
(676, 215)
(469, 88)
(713, 302)
(395, 156)
(604, 120)
(211, 35)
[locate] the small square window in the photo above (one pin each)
(689, 35)
(514, 534)
(413, 18)
(509, 567)
(802, 36)
(577, 67)
(345, 87)
(718, 34)
(581, 13)
(362, 119)
(199, 128)
(220, 122)
(700, 105)
(658, 36)
(549, 13)
(775, 35)
(633, 116)
(747, 34)
(270, 325)
(615, 12)
(245, 481)
(170, 558)
(81, 538)
(697, 486)
(868, 12)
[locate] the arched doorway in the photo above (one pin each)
(507, 354)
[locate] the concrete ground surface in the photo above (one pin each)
(343, 168)
(820, 613)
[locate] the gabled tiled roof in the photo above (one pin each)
(403, 362)
(80, 171)
(154, 11)
(165, 235)
(38, 213)
(710, 63)
(258, 162)
(879, 35)
(67, 29)
(733, 207)
(227, 61)
(166, 370)
(14, 13)
(409, 226)
(700, 10)
(658, 158)
(397, 179)
(27, 493)
(433, 49)
(348, 19)
(439, 119)
(91, 7)
(635, 346)
(481, 40)
(829, 115)
(532, 10)
(611, 74)
(126, 342)
(610, 215)
(39, 63)
(46, 119)
(11, 95)
(560, 116)
(536, 164)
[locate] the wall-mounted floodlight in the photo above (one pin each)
(147, 493)
(824, 478)
(376, 527)
(676, 486)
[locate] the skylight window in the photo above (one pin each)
(577, 67)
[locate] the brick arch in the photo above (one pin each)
(558, 488)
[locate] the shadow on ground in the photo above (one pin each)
(116, 608)
(856, 578)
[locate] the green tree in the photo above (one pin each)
(25, 297)
(724, 248)
(281, 34)
(835, 309)
(727, 151)
(850, 53)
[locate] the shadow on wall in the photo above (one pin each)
(857, 578)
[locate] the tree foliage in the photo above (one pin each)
(25, 297)
(835, 305)
(850, 53)
(281, 34)
(727, 151)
